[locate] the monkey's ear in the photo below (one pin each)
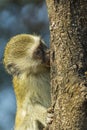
(12, 69)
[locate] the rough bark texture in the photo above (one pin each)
(68, 63)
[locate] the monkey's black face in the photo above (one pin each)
(42, 53)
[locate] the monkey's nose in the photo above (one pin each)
(47, 57)
(48, 52)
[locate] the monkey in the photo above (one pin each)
(27, 59)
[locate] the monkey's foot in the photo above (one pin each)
(50, 115)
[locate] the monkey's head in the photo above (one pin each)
(26, 53)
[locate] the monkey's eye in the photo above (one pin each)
(39, 52)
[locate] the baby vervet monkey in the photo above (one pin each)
(26, 58)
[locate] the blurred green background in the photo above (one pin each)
(17, 16)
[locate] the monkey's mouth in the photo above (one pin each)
(48, 63)
(46, 58)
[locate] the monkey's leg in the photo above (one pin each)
(40, 114)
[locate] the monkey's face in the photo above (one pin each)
(41, 54)
(26, 53)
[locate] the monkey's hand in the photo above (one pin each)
(50, 115)
(49, 118)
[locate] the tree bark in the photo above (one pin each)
(68, 28)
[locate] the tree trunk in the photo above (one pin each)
(68, 63)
